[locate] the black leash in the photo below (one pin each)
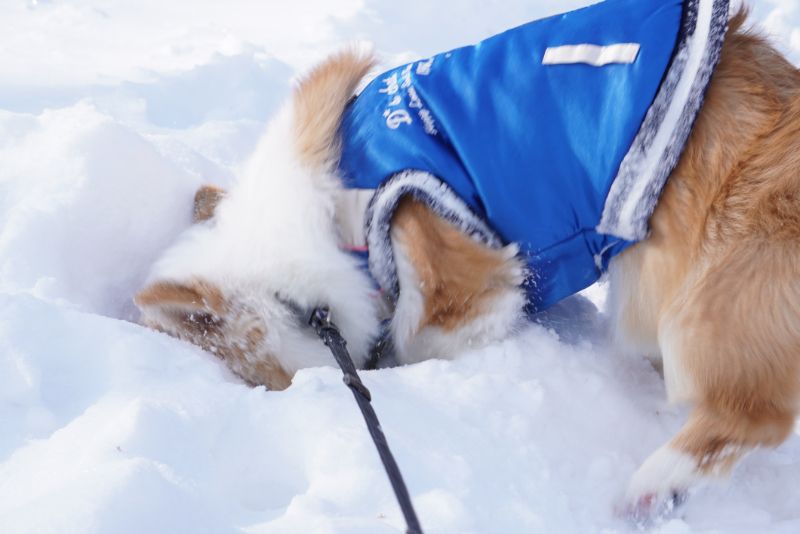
(320, 320)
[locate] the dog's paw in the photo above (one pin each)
(659, 487)
(651, 508)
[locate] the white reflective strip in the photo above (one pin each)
(591, 54)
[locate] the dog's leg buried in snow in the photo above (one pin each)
(714, 289)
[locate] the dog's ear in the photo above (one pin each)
(319, 101)
(193, 307)
(205, 202)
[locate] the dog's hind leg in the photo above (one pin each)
(455, 293)
(708, 446)
(731, 346)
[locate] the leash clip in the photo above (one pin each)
(320, 319)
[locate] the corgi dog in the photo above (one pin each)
(713, 291)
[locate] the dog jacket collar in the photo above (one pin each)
(557, 135)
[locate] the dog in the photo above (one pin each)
(713, 291)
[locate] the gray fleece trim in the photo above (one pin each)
(435, 194)
(663, 135)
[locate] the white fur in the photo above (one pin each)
(666, 471)
(679, 384)
(410, 306)
(660, 344)
(274, 234)
(623, 289)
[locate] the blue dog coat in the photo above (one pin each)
(557, 135)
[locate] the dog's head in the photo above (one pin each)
(234, 281)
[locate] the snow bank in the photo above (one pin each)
(107, 427)
(85, 206)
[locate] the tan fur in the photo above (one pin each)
(198, 313)
(319, 101)
(458, 277)
(717, 285)
(205, 202)
(200, 296)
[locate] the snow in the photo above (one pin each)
(111, 114)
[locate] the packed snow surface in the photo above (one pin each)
(111, 114)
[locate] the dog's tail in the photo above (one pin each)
(319, 101)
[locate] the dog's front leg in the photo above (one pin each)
(455, 293)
